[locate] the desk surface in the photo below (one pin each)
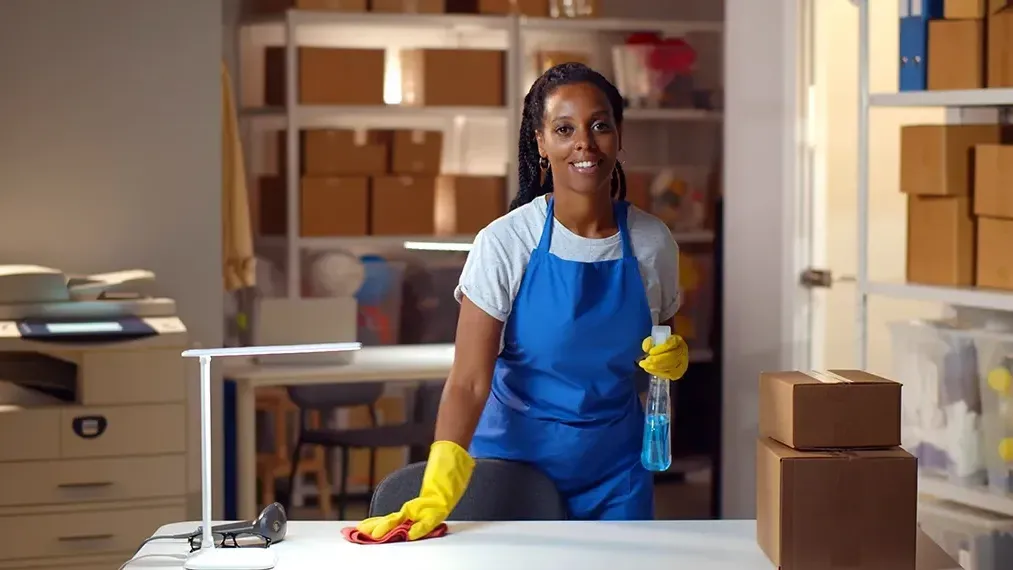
(371, 363)
(654, 545)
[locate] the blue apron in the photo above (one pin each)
(563, 396)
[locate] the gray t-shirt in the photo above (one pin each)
(492, 274)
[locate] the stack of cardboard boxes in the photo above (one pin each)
(957, 179)
(956, 44)
(499, 7)
(834, 489)
(377, 182)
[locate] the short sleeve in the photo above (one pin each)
(485, 279)
(668, 274)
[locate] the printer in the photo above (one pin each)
(93, 416)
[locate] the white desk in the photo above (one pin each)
(406, 363)
(655, 545)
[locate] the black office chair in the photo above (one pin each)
(499, 491)
(417, 432)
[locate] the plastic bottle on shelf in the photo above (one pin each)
(656, 453)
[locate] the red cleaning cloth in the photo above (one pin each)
(397, 534)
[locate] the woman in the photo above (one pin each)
(553, 309)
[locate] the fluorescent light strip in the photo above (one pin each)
(437, 246)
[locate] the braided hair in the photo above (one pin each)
(533, 117)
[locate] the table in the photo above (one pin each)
(400, 363)
(649, 545)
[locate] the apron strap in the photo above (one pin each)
(620, 211)
(546, 240)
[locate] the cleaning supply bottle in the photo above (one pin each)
(656, 453)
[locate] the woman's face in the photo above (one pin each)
(580, 138)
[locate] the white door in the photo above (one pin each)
(827, 312)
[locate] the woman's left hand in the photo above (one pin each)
(668, 360)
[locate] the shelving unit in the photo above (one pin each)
(958, 105)
(511, 32)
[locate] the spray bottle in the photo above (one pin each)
(656, 454)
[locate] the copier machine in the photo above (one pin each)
(93, 417)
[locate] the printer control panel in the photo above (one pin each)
(9, 329)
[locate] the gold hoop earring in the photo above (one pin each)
(543, 162)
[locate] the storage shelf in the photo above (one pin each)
(982, 499)
(673, 27)
(962, 98)
(671, 115)
(316, 112)
(959, 296)
(334, 18)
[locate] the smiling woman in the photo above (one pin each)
(557, 298)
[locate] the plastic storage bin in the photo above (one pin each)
(978, 540)
(380, 299)
(995, 375)
(941, 399)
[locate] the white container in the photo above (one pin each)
(978, 540)
(995, 375)
(941, 400)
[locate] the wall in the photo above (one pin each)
(760, 152)
(110, 149)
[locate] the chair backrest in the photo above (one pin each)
(330, 396)
(499, 491)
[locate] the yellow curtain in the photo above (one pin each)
(239, 266)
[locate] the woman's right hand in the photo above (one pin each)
(448, 471)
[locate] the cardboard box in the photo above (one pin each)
(956, 54)
(323, 76)
(940, 241)
(963, 9)
(340, 152)
(993, 181)
(274, 6)
(1000, 49)
(416, 152)
(936, 160)
(270, 206)
(409, 6)
(467, 204)
(403, 205)
(452, 77)
(995, 263)
(334, 206)
(536, 8)
(996, 6)
(817, 410)
(836, 509)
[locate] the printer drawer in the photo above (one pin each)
(116, 431)
(92, 480)
(83, 532)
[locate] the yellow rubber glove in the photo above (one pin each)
(668, 360)
(447, 474)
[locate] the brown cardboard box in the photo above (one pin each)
(995, 263)
(466, 204)
(341, 152)
(940, 241)
(273, 6)
(409, 6)
(452, 77)
(1000, 49)
(817, 410)
(323, 76)
(537, 8)
(270, 206)
(334, 206)
(964, 9)
(993, 181)
(417, 152)
(403, 205)
(996, 6)
(836, 510)
(956, 54)
(936, 160)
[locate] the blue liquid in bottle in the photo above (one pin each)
(656, 453)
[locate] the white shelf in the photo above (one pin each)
(978, 498)
(457, 22)
(674, 28)
(962, 98)
(958, 296)
(634, 114)
(309, 113)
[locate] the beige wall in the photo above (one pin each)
(110, 148)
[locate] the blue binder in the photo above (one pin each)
(914, 41)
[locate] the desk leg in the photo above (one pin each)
(246, 451)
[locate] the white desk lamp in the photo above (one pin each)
(210, 556)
